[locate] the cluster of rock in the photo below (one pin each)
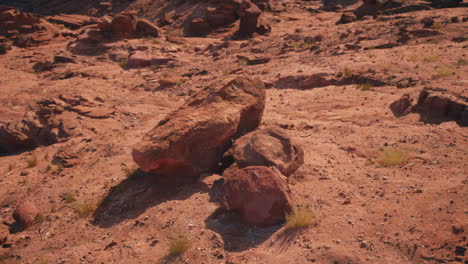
(24, 29)
(196, 139)
(221, 13)
(434, 106)
(123, 25)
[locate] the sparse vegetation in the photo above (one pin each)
(438, 26)
(39, 218)
(31, 162)
(242, 60)
(122, 63)
(300, 217)
(364, 86)
(131, 172)
(462, 62)
(179, 245)
(69, 198)
(84, 210)
(347, 72)
(392, 156)
(431, 58)
(11, 167)
(442, 72)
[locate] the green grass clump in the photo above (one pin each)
(393, 156)
(300, 217)
(179, 245)
(442, 72)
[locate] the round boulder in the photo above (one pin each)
(269, 146)
(25, 214)
(260, 194)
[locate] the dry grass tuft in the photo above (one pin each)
(393, 156)
(84, 210)
(179, 245)
(442, 72)
(364, 86)
(300, 217)
(69, 198)
(32, 162)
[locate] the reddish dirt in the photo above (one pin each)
(414, 212)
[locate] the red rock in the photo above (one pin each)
(143, 59)
(260, 194)
(269, 147)
(105, 24)
(194, 138)
(72, 20)
(25, 214)
(197, 27)
(248, 21)
(402, 106)
(125, 24)
(146, 28)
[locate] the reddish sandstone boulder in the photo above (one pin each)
(25, 214)
(270, 147)
(146, 28)
(124, 24)
(144, 59)
(260, 194)
(192, 140)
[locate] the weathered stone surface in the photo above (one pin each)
(438, 105)
(269, 147)
(25, 214)
(260, 194)
(402, 106)
(73, 21)
(194, 138)
(144, 59)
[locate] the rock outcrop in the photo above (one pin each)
(192, 140)
(269, 147)
(260, 194)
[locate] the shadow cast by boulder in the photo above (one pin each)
(236, 235)
(134, 195)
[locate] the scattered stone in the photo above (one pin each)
(25, 214)
(144, 59)
(402, 106)
(73, 21)
(194, 138)
(260, 194)
(269, 147)
(346, 18)
(253, 61)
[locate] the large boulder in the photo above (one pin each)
(270, 147)
(25, 214)
(192, 140)
(260, 194)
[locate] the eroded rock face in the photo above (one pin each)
(438, 105)
(25, 214)
(402, 106)
(269, 147)
(193, 139)
(260, 194)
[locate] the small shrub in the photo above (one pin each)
(11, 167)
(69, 198)
(178, 245)
(39, 218)
(364, 86)
(431, 59)
(438, 26)
(347, 72)
(462, 62)
(84, 210)
(393, 156)
(300, 217)
(442, 72)
(32, 162)
(242, 60)
(122, 63)
(131, 172)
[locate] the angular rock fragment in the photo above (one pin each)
(260, 194)
(192, 140)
